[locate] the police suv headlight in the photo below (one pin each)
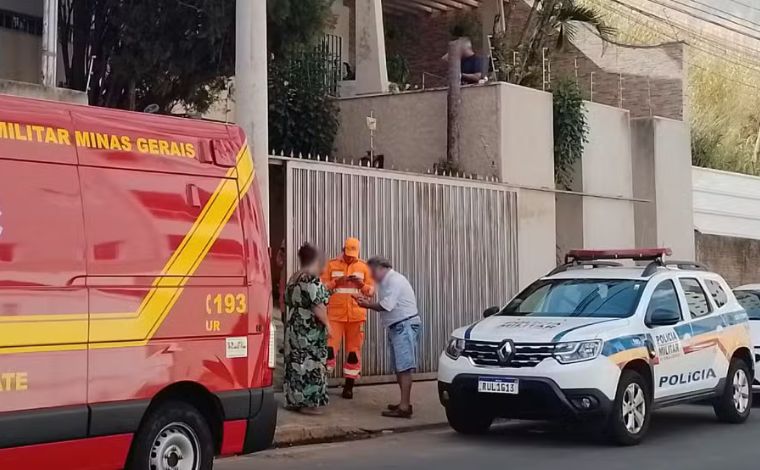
(579, 351)
(455, 348)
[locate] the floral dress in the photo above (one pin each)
(305, 343)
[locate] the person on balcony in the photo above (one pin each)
(472, 64)
(347, 276)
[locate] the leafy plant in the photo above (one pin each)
(293, 24)
(303, 118)
(398, 69)
(142, 52)
(570, 130)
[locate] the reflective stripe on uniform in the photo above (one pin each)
(346, 290)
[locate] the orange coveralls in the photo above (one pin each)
(346, 317)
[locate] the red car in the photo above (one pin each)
(135, 291)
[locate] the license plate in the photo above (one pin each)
(498, 385)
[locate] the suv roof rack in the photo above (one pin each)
(690, 265)
(595, 258)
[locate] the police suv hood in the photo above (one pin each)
(541, 329)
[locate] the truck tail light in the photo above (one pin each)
(272, 359)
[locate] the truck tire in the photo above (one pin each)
(174, 435)
(734, 405)
(468, 420)
(631, 412)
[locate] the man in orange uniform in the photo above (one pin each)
(347, 276)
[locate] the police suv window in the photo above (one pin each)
(717, 292)
(664, 298)
(696, 298)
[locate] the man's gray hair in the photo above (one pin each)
(379, 262)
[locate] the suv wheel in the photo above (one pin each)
(468, 420)
(175, 436)
(631, 412)
(734, 405)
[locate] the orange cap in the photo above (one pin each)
(351, 247)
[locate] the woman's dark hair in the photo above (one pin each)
(307, 254)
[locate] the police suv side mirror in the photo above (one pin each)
(663, 317)
(490, 311)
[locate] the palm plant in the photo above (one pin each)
(550, 24)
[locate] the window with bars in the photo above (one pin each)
(21, 22)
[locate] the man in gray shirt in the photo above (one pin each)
(397, 306)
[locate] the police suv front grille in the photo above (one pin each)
(485, 353)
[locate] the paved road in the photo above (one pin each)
(685, 437)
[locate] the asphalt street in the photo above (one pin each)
(686, 437)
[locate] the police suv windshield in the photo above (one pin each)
(608, 298)
(750, 301)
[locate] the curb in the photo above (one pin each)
(327, 434)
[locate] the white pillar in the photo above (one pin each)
(50, 43)
(251, 105)
(371, 68)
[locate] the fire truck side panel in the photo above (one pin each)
(42, 279)
(134, 265)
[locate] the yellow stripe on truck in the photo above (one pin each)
(37, 333)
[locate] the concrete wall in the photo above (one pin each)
(727, 223)
(411, 129)
(607, 171)
(527, 159)
(726, 204)
(31, 90)
(661, 152)
(601, 215)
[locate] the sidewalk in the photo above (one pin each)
(359, 418)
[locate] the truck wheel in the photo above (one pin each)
(174, 436)
(631, 412)
(468, 420)
(734, 405)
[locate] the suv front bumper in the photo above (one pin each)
(539, 398)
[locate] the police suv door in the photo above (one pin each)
(705, 361)
(668, 338)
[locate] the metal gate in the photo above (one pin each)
(455, 240)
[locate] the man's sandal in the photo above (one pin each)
(398, 413)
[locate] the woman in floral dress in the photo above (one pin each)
(306, 335)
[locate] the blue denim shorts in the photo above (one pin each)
(404, 342)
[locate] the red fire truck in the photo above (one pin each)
(135, 291)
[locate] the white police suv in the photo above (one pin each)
(597, 342)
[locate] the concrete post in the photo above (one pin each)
(371, 67)
(251, 101)
(661, 154)
(50, 43)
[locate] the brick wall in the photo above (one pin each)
(422, 41)
(652, 78)
(736, 259)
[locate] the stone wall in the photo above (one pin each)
(736, 259)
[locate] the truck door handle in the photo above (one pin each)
(193, 195)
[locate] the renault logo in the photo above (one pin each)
(505, 351)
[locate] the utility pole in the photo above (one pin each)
(454, 101)
(251, 102)
(50, 43)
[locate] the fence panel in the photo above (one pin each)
(456, 241)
